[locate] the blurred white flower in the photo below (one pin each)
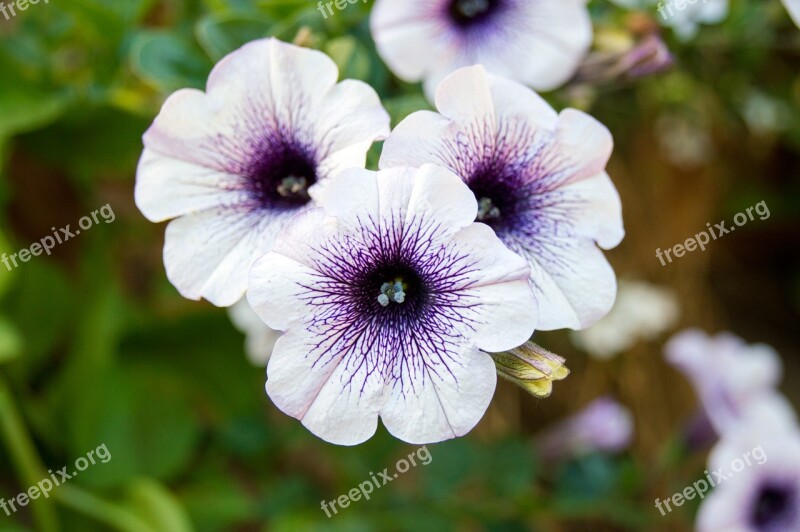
(684, 141)
(642, 312)
(729, 376)
(604, 425)
(259, 338)
(539, 43)
(764, 114)
(793, 7)
(760, 460)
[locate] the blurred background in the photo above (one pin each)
(96, 347)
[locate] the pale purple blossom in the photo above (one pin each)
(603, 426)
(728, 375)
(391, 298)
(540, 181)
(539, 43)
(231, 165)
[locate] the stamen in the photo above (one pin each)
(293, 187)
(472, 8)
(487, 210)
(392, 292)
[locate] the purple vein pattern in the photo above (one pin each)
(402, 343)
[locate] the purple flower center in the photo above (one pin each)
(467, 13)
(496, 200)
(775, 507)
(281, 174)
(394, 288)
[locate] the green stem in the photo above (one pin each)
(88, 504)
(24, 457)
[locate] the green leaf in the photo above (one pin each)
(10, 341)
(219, 34)
(168, 61)
(351, 57)
(24, 107)
(153, 437)
(156, 505)
(91, 144)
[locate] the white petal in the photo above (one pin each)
(336, 398)
(422, 137)
(556, 36)
(351, 115)
(573, 281)
(441, 195)
(259, 338)
(408, 37)
(269, 74)
(167, 187)
(208, 254)
(507, 313)
(444, 402)
(584, 142)
(793, 7)
(275, 277)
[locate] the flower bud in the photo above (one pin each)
(531, 367)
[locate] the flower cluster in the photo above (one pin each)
(736, 384)
(401, 293)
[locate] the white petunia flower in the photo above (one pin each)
(539, 43)
(231, 165)
(793, 7)
(728, 376)
(756, 469)
(259, 338)
(604, 425)
(540, 181)
(642, 312)
(389, 294)
(685, 16)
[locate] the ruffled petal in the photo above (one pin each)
(336, 397)
(445, 401)
(167, 187)
(207, 254)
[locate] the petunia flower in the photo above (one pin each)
(389, 295)
(540, 181)
(539, 43)
(231, 165)
(602, 426)
(259, 338)
(642, 311)
(756, 472)
(728, 376)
